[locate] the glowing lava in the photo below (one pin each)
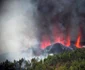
(59, 40)
(58, 37)
(45, 42)
(78, 41)
(68, 41)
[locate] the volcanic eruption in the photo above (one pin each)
(30, 27)
(62, 24)
(46, 41)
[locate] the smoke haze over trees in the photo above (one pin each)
(74, 60)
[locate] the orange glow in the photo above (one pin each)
(59, 40)
(78, 41)
(68, 41)
(58, 37)
(45, 42)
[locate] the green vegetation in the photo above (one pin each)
(73, 60)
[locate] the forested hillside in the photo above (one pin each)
(73, 60)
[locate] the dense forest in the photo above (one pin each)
(73, 60)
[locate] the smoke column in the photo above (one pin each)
(18, 30)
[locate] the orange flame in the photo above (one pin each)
(59, 40)
(58, 37)
(78, 41)
(68, 41)
(45, 42)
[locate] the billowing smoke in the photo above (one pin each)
(27, 27)
(61, 20)
(18, 29)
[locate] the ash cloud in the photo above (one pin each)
(18, 29)
(24, 22)
(68, 13)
